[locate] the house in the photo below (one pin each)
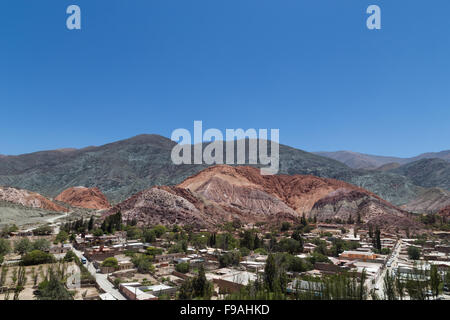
(230, 280)
(358, 255)
(132, 291)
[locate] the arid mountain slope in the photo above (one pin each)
(29, 199)
(173, 205)
(429, 201)
(345, 204)
(224, 193)
(82, 197)
(232, 185)
(427, 173)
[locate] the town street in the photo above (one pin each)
(390, 266)
(101, 279)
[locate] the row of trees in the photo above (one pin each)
(420, 284)
(273, 284)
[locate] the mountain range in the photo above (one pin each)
(358, 160)
(125, 168)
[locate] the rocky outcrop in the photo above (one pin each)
(81, 197)
(29, 199)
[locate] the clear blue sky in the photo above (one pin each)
(310, 68)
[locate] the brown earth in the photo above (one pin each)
(29, 199)
(81, 197)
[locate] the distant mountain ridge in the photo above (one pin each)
(358, 160)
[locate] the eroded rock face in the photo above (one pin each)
(81, 197)
(29, 199)
(168, 206)
(344, 204)
(225, 184)
(224, 193)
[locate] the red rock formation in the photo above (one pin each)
(29, 199)
(81, 197)
(224, 193)
(313, 196)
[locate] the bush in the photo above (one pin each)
(229, 258)
(261, 251)
(182, 267)
(37, 257)
(5, 247)
(143, 263)
(23, 246)
(70, 257)
(414, 253)
(62, 237)
(41, 244)
(110, 263)
(43, 231)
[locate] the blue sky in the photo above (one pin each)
(310, 68)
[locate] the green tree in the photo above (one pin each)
(149, 236)
(143, 263)
(53, 288)
(41, 244)
(36, 257)
(110, 262)
(43, 231)
(61, 237)
(413, 253)
(5, 247)
(70, 256)
(435, 280)
(285, 226)
(159, 230)
(182, 267)
(23, 246)
(390, 292)
(378, 239)
(91, 223)
(270, 272)
(201, 286)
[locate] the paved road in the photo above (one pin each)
(393, 258)
(100, 278)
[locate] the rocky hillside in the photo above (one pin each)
(224, 193)
(429, 201)
(427, 173)
(345, 204)
(173, 205)
(246, 187)
(29, 199)
(123, 168)
(82, 197)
